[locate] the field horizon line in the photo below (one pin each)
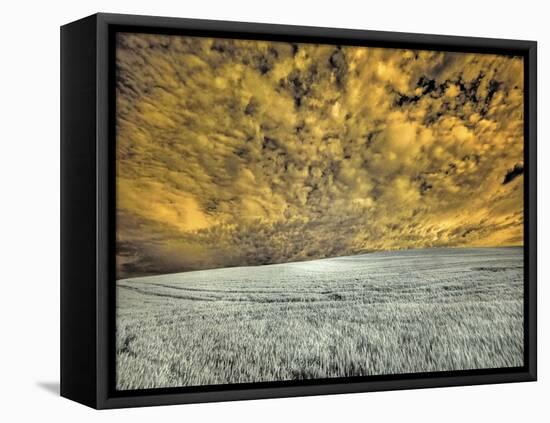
(369, 252)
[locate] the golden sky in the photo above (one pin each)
(236, 152)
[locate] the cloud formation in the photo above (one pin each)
(238, 152)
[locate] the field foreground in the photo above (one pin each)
(379, 313)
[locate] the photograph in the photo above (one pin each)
(292, 211)
(275, 212)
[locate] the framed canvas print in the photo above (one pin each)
(254, 211)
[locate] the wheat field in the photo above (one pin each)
(372, 314)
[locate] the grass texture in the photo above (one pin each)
(373, 314)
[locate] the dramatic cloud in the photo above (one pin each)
(236, 152)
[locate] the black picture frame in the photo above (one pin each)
(87, 210)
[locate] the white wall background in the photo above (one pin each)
(29, 193)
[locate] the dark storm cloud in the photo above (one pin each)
(513, 174)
